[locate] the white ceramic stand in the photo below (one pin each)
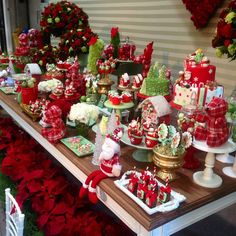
(230, 170)
(225, 158)
(207, 178)
(143, 153)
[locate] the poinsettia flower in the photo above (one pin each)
(114, 31)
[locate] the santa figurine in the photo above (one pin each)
(109, 165)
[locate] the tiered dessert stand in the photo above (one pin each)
(143, 153)
(207, 178)
(118, 108)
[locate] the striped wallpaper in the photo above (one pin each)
(167, 23)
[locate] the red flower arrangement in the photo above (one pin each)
(225, 38)
(58, 18)
(201, 10)
(47, 54)
(75, 42)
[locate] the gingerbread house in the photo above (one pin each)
(155, 110)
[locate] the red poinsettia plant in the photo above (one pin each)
(53, 197)
(225, 38)
(201, 10)
(58, 18)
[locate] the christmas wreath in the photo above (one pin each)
(225, 38)
(58, 18)
(201, 10)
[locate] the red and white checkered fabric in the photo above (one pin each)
(201, 117)
(200, 133)
(57, 129)
(217, 107)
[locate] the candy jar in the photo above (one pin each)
(126, 50)
(187, 119)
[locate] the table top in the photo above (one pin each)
(196, 195)
(125, 105)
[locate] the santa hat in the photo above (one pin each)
(116, 135)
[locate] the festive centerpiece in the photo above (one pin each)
(168, 154)
(105, 68)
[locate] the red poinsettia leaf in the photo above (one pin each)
(42, 220)
(56, 225)
(34, 186)
(60, 208)
(49, 204)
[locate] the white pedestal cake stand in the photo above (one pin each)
(230, 170)
(143, 153)
(226, 157)
(207, 178)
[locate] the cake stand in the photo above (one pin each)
(119, 107)
(230, 170)
(207, 178)
(226, 157)
(142, 154)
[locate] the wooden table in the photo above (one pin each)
(201, 202)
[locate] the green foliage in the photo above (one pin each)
(94, 54)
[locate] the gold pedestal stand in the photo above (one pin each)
(104, 85)
(167, 164)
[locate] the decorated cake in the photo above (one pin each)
(196, 84)
(156, 82)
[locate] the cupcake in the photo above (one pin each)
(126, 97)
(124, 81)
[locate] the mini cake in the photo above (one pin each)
(135, 132)
(114, 97)
(137, 81)
(53, 72)
(126, 97)
(196, 84)
(124, 81)
(58, 91)
(68, 93)
(156, 82)
(151, 138)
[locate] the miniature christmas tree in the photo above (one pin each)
(95, 48)
(154, 71)
(115, 40)
(112, 123)
(162, 73)
(98, 147)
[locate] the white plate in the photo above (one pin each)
(125, 139)
(227, 147)
(176, 198)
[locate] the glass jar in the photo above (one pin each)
(126, 50)
(231, 114)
